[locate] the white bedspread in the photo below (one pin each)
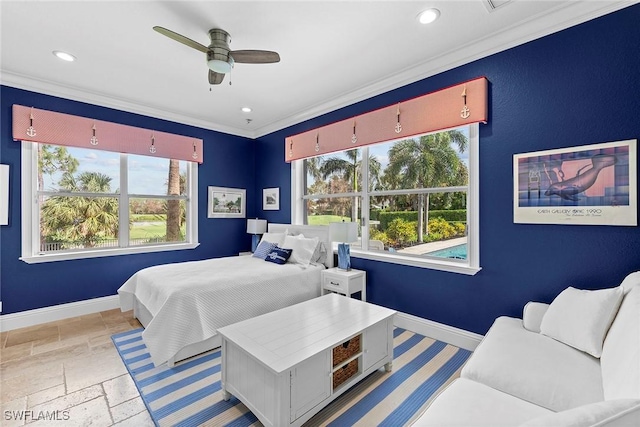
(189, 301)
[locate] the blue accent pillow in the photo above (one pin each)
(263, 249)
(279, 255)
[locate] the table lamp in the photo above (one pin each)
(344, 233)
(257, 227)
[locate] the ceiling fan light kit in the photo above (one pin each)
(221, 59)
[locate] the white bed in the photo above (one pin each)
(182, 305)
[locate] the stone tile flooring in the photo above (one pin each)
(69, 372)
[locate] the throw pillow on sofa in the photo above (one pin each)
(581, 318)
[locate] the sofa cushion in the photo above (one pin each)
(534, 367)
(533, 314)
(581, 318)
(467, 403)
(620, 358)
(620, 412)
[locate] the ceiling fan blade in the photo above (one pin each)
(255, 56)
(215, 78)
(180, 38)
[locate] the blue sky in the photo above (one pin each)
(147, 175)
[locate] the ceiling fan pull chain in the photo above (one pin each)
(291, 148)
(398, 127)
(317, 142)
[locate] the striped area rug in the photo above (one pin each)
(189, 393)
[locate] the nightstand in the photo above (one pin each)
(344, 282)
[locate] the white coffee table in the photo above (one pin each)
(287, 365)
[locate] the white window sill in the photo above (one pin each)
(66, 256)
(450, 266)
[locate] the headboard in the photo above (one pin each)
(319, 231)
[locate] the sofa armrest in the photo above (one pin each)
(609, 413)
(532, 315)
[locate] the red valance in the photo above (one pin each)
(454, 106)
(48, 127)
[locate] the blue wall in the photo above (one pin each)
(576, 87)
(228, 162)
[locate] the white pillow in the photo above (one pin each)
(599, 414)
(303, 249)
(320, 253)
(276, 238)
(581, 318)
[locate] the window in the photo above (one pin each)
(415, 199)
(90, 203)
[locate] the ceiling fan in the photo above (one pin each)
(220, 58)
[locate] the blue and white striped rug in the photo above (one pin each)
(189, 393)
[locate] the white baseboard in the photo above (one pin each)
(449, 334)
(441, 332)
(38, 316)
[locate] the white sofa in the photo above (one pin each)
(520, 376)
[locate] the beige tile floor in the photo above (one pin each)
(69, 370)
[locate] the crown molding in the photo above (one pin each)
(563, 16)
(8, 78)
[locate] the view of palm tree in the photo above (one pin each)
(79, 204)
(407, 185)
(85, 220)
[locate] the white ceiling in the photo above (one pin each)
(333, 53)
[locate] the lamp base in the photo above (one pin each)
(255, 239)
(344, 257)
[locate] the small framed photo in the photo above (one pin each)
(271, 199)
(226, 202)
(4, 194)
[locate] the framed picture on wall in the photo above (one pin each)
(271, 199)
(589, 185)
(4, 194)
(226, 202)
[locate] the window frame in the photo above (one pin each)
(31, 215)
(472, 264)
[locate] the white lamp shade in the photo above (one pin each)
(343, 232)
(256, 226)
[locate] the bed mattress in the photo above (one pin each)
(189, 301)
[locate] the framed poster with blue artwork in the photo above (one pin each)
(589, 185)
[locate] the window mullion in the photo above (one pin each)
(123, 203)
(364, 200)
(32, 231)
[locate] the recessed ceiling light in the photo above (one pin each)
(64, 55)
(246, 109)
(428, 16)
